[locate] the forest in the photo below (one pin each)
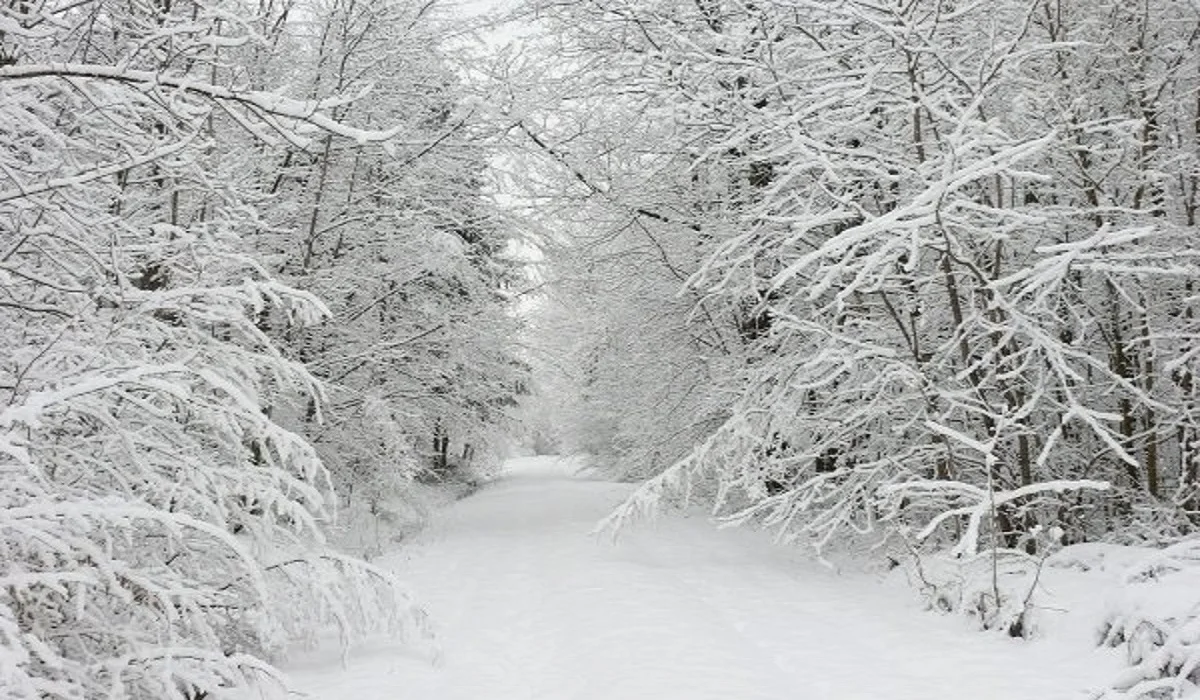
(914, 281)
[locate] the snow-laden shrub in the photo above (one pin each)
(1158, 625)
(997, 594)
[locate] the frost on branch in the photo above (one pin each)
(959, 503)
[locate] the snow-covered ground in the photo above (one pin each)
(527, 605)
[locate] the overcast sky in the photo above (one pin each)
(498, 35)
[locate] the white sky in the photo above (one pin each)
(496, 36)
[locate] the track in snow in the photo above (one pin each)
(528, 606)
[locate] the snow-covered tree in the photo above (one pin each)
(950, 242)
(153, 512)
(398, 238)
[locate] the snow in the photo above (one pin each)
(527, 604)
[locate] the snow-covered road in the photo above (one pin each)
(528, 606)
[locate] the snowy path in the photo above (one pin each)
(528, 606)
